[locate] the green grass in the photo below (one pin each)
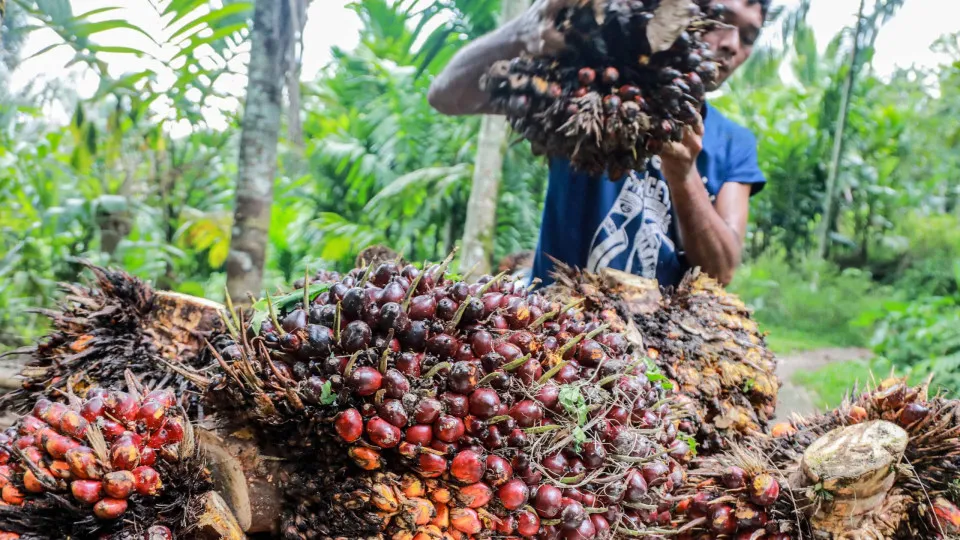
(788, 341)
(831, 383)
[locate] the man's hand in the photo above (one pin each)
(679, 159)
(537, 31)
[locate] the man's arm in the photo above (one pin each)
(456, 91)
(712, 235)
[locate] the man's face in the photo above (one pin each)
(733, 44)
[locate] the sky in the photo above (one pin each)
(905, 41)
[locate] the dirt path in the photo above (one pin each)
(797, 399)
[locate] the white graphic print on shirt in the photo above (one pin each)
(641, 216)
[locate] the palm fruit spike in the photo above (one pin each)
(880, 466)
(632, 76)
(699, 335)
(117, 324)
(67, 474)
(479, 393)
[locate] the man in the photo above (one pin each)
(689, 208)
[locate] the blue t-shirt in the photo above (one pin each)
(593, 223)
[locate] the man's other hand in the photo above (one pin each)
(537, 31)
(679, 159)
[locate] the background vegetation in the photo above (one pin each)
(363, 159)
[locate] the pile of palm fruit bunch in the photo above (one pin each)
(114, 325)
(401, 402)
(434, 408)
(631, 75)
(699, 335)
(882, 465)
(117, 464)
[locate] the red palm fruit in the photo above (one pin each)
(124, 454)
(448, 429)
(750, 516)
(589, 352)
(636, 487)
(349, 425)
(764, 490)
(481, 342)
(442, 519)
(475, 495)
(164, 396)
(446, 308)
(158, 532)
(655, 473)
(444, 346)
(680, 451)
(594, 456)
(110, 429)
(526, 341)
(31, 483)
(110, 508)
(912, 413)
(513, 494)
(422, 307)
(383, 433)
(556, 464)
(158, 439)
(528, 524)
(465, 520)
(445, 448)
(146, 480)
(601, 525)
(73, 425)
(152, 414)
(441, 495)
(457, 404)
(367, 459)
(11, 495)
(722, 520)
(549, 395)
(32, 454)
(419, 434)
(530, 372)
(734, 478)
(611, 75)
(527, 413)
(498, 471)
(60, 469)
(57, 445)
(475, 426)
(86, 491)
(575, 467)
(508, 351)
(148, 456)
(53, 413)
(751, 535)
(83, 463)
(40, 408)
(517, 438)
(507, 525)
(463, 377)
(432, 465)
(30, 425)
(119, 484)
(548, 501)
(364, 381)
(409, 364)
(572, 515)
(947, 514)
(122, 406)
(427, 411)
(392, 411)
(467, 467)
(484, 403)
(395, 384)
(29, 441)
(408, 450)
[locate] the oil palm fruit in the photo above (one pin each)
(631, 76)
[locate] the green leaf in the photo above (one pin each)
(661, 378)
(261, 308)
(572, 400)
(327, 397)
(211, 18)
(691, 442)
(579, 437)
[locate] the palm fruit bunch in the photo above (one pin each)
(101, 331)
(411, 405)
(632, 75)
(699, 335)
(882, 465)
(117, 465)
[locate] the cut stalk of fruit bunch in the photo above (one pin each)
(700, 336)
(880, 466)
(117, 324)
(99, 466)
(411, 404)
(631, 77)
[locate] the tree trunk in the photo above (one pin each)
(825, 226)
(258, 149)
(487, 173)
